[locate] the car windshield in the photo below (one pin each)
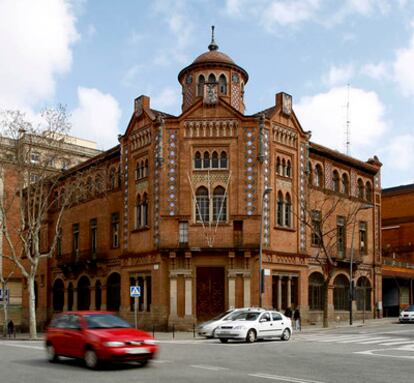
(222, 315)
(97, 321)
(249, 316)
(409, 308)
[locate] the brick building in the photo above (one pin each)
(69, 151)
(183, 216)
(398, 248)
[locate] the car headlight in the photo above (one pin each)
(114, 344)
(150, 341)
(239, 328)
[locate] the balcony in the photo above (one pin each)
(397, 263)
(75, 262)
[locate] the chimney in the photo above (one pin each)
(141, 102)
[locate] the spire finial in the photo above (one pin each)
(213, 46)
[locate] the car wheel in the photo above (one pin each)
(223, 340)
(51, 353)
(285, 334)
(251, 336)
(91, 359)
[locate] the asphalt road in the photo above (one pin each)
(359, 354)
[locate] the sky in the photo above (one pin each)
(349, 60)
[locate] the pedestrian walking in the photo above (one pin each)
(10, 328)
(296, 318)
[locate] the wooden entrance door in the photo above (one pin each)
(210, 292)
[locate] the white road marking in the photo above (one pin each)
(284, 378)
(210, 368)
(376, 340)
(375, 353)
(160, 361)
(361, 339)
(13, 344)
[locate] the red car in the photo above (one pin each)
(96, 336)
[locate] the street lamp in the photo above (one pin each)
(261, 279)
(364, 206)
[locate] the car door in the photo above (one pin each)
(278, 323)
(265, 326)
(56, 333)
(74, 336)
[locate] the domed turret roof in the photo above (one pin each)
(213, 56)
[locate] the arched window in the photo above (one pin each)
(368, 191)
(283, 167)
(360, 188)
(146, 169)
(310, 173)
(345, 183)
(98, 295)
(84, 293)
(288, 211)
(214, 160)
(363, 294)
(223, 160)
(113, 292)
(316, 291)
(335, 181)
(212, 78)
(200, 85)
(318, 176)
(206, 160)
(278, 166)
(219, 205)
(288, 169)
(138, 216)
(197, 160)
(341, 293)
(223, 84)
(144, 210)
(280, 209)
(58, 295)
(70, 296)
(202, 205)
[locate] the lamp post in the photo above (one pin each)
(261, 279)
(351, 281)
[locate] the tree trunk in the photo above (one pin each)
(32, 307)
(325, 304)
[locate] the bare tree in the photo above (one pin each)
(322, 210)
(33, 168)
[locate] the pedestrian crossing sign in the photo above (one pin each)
(134, 291)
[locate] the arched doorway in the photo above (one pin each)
(70, 296)
(84, 293)
(98, 295)
(58, 295)
(113, 292)
(341, 293)
(316, 291)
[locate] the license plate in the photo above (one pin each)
(138, 350)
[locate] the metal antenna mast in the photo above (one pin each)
(348, 127)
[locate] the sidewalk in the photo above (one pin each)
(189, 335)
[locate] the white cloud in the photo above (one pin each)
(325, 114)
(400, 154)
(36, 39)
(338, 75)
(376, 71)
(168, 98)
(289, 12)
(96, 118)
(403, 69)
(130, 78)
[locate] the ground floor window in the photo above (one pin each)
(316, 291)
(341, 293)
(363, 294)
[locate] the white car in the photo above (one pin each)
(208, 328)
(407, 315)
(255, 324)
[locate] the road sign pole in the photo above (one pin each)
(136, 311)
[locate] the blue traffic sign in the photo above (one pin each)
(134, 291)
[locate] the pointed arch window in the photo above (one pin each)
(368, 192)
(288, 169)
(219, 205)
(345, 184)
(206, 160)
(361, 190)
(309, 173)
(223, 160)
(278, 166)
(335, 181)
(212, 78)
(223, 84)
(318, 176)
(197, 160)
(283, 167)
(138, 212)
(280, 209)
(144, 208)
(214, 160)
(202, 205)
(288, 211)
(146, 169)
(200, 85)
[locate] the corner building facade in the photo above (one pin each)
(185, 220)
